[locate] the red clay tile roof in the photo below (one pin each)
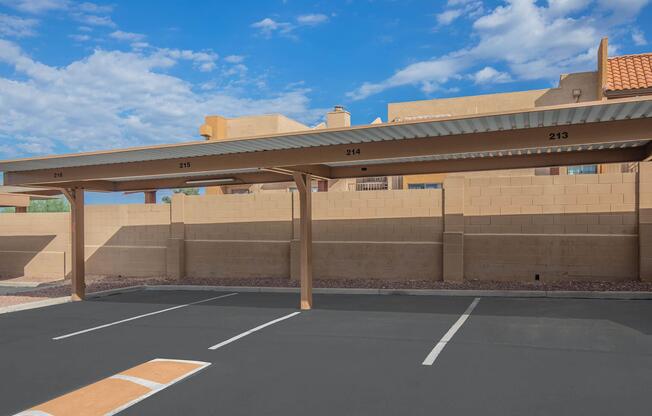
(629, 72)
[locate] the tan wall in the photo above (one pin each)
(384, 235)
(34, 245)
(477, 227)
(490, 103)
(560, 227)
(391, 235)
(238, 236)
(249, 126)
(127, 240)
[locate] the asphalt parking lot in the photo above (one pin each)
(351, 355)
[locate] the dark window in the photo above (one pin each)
(424, 186)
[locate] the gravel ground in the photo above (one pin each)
(99, 284)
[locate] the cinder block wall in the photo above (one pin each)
(392, 235)
(34, 245)
(127, 240)
(560, 227)
(238, 236)
(594, 227)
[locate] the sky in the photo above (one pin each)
(79, 76)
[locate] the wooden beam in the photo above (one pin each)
(303, 182)
(78, 276)
(539, 137)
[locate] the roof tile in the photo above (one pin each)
(629, 72)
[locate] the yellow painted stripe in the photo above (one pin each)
(116, 393)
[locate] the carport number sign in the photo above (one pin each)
(184, 165)
(353, 151)
(58, 174)
(558, 135)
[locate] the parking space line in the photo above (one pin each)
(251, 331)
(114, 394)
(430, 359)
(140, 316)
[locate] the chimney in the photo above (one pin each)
(603, 58)
(214, 128)
(338, 118)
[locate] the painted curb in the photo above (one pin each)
(35, 305)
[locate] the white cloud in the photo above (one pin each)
(234, 59)
(85, 12)
(458, 8)
(489, 75)
(16, 26)
(204, 61)
(268, 26)
(79, 37)
(447, 17)
(127, 36)
(36, 6)
(531, 41)
(115, 99)
(638, 37)
(312, 19)
(94, 20)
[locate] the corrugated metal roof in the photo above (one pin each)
(566, 115)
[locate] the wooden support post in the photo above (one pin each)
(76, 198)
(304, 186)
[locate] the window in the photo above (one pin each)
(546, 171)
(424, 186)
(582, 170)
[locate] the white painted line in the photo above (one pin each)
(448, 335)
(161, 386)
(139, 316)
(152, 385)
(32, 413)
(251, 331)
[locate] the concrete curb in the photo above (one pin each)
(66, 299)
(31, 285)
(421, 292)
(110, 292)
(35, 305)
(349, 291)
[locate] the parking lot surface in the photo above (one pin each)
(232, 353)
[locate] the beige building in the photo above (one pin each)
(614, 78)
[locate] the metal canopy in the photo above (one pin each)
(595, 132)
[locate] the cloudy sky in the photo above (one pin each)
(78, 76)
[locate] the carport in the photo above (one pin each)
(576, 134)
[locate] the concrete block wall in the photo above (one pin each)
(127, 240)
(557, 227)
(34, 245)
(390, 235)
(237, 236)
(483, 227)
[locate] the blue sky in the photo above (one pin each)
(78, 76)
